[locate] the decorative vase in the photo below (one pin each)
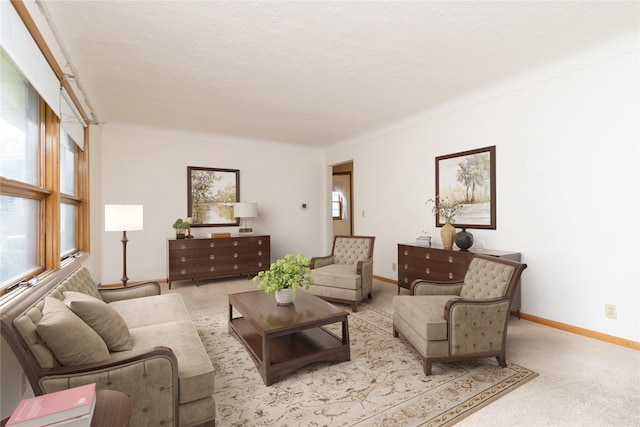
(447, 232)
(179, 235)
(285, 297)
(464, 239)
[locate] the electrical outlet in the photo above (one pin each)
(610, 311)
(393, 266)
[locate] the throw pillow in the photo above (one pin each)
(71, 340)
(103, 319)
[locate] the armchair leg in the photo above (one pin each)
(369, 295)
(354, 307)
(426, 364)
(395, 333)
(502, 361)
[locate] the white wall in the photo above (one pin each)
(149, 167)
(567, 188)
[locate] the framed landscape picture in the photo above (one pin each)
(211, 194)
(469, 177)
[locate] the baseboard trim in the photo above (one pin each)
(384, 279)
(581, 331)
(562, 326)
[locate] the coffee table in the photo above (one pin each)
(283, 339)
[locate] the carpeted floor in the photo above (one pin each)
(382, 385)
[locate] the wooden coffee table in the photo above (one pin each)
(283, 339)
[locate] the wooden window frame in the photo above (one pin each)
(48, 192)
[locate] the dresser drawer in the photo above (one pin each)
(222, 269)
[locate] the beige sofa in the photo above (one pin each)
(66, 331)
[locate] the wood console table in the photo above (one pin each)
(437, 263)
(205, 258)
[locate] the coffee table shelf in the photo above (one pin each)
(288, 340)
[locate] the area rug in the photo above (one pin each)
(382, 385)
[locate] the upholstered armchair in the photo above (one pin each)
(345, 276)
(457, 321)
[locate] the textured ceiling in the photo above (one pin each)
(312, 73)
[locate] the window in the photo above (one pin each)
(43, 183)
(336, 205)
(20, 202)
(68, 200)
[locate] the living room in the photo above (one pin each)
(566, 134)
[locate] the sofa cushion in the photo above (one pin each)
(151, 310)
(71, 340)
(195, 372)
(103, 319)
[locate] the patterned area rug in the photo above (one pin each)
(382, 385)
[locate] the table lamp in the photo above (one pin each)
(245, 211)
(123, 218)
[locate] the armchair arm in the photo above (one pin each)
(151, 376)
(476, 326)
(364, 268)
(135, 291)
(321, 261)
(430, 287)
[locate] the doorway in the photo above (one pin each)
(342, 199)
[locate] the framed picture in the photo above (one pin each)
(469, 177)
(211, 193)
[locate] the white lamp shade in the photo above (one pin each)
(122, 217)
(245, 210)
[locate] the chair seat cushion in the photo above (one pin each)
(424, 314)
(195, 371)
(337, 276)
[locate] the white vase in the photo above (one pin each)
(285, 296)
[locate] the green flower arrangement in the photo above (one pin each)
(445, 209)
(291, 272)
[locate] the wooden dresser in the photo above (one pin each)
(436, 263)
(205, 258)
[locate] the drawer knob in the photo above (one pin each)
(212, 245)
(427, 270)
(235, 255)
(259, 242)
(406, 266)
(450, 275)
(450, 259)
(212, 256)
(183, 259)
(235, 266)
(406, 252)
(259, 253)
(428, 256)
(235, 243)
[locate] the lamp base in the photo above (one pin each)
(245, 231)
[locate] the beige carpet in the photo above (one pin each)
(382, 385)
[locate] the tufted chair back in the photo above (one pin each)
(486, 279)
(351, 249)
